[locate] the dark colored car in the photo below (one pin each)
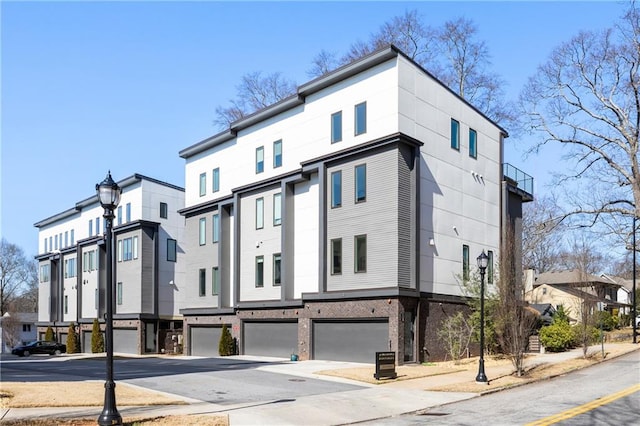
(39, 347)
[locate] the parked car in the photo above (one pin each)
(39, 347)
(638, 321)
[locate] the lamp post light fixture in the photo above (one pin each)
(483, 261)
(109, 196)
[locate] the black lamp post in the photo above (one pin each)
(483, 261)
(109, 197)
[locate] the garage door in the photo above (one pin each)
(276, 339)
(125, 340)
(354, 341)
(204, 340)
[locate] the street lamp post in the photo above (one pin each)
(109, 196)
(483, 261)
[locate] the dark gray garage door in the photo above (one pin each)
(204, 340)
(277, 339)
(354, 341)
(125, 340)
(86, 341)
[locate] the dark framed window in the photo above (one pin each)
(473, 143)
(336, 127)
(172, 250)
(127, 208)
(361, 183)
(336, 256)
(361, 118)
(202, 231)
(490, 267)
(119, 215)
(66, 304)
(202, 281)
(119, 291)
(455, 134)
(216, 228)
(336, 189)
(259, 159)
(259, 271)
(465, 262)
(360, 260)
(164, 210)
(277, 209)
(216, 179)
(277, 154)
(277, 274)
(215, 281)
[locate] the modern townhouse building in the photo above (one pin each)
(148, 271)
(342, 220)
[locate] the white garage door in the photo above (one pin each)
(204, 341)
(354, 341)
(276, 339)
(125, 340)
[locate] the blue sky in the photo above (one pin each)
(92, 86)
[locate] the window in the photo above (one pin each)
(50, 243)
(73, 238)
(119, 215)
(56, 240)
(259, 213)
(490, 267)
(336, 189)
(360, 245)
(455, 134)
(70, 268)
(164, 210)
(203, 230)
(135, 247)
(119, 293)
(361, 118)
(119, 250)
(216, 228)
(127, 249)
(90, 232)
(277, 209)
(66, 304)
(277, 277)
(203, 184)
(66, 238)
(336, 256)
(215, 280)
(361, 183)
(216, 179)
(26, 328)
(92, 261)
(45, 246)
(128, 212)
(277, 154)
(202, 281)
(259, 271)
(44, 273)
(465, 262)
(473, 143)
(260, 159)
(85, 261)
(336, 127)
(97, 228)
(96, 298)
(172, 248)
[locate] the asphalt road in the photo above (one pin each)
(218, 380)
(537, 402)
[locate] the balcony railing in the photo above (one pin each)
(523, 180)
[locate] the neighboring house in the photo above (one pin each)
(574, 290)
(625, 292)
(148, 252)
(545, 312)
(340, 221)
(17, 328)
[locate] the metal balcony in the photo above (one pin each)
(523, 182)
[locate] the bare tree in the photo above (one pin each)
(27, 301)
(455, 332)
(10, 329)
(543, 230)
(586, 98)
(14, 273)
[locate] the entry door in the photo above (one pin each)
(409, 341)
(150, 337)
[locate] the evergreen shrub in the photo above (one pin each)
(72, 340)
(97, 338)
(226, 346)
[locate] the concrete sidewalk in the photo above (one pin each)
(371, 402)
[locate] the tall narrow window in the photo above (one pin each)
(90, 232)
(216, 179)
(202, 276)
(203, 184)
(259, 213)
(360, 245)
(172, 250)
(336, 189)
(216, 228)
(336, 256)
(46, 248)
(66, 304)
(120, 251)
(336, 127)
(128, 212)
(455, 134)
(164, 210)
(73, 238)
(119, 291)
(135, 247)
(97, 228)
(50, 243)
(277, 260)
(127, 252)
(96, 298)
(473, 143)
(66, 238)
(202, 231)
(277, 209)
(465, 262)
(215, 281)
(361, 118)
(490, 267)
(361, 183)
(277, 154)
(119, 215)
(260, 159)
(259, 271)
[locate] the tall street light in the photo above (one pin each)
(483, 261)
(109, 196)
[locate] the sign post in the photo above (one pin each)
(385, 365)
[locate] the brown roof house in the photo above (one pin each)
(574, 290)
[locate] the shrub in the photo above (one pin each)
(48, 335)
(591, 335)
(226, 346)
(455, 332)
(557, 337)
(72, 340)
(97, 338)
(608, 321)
